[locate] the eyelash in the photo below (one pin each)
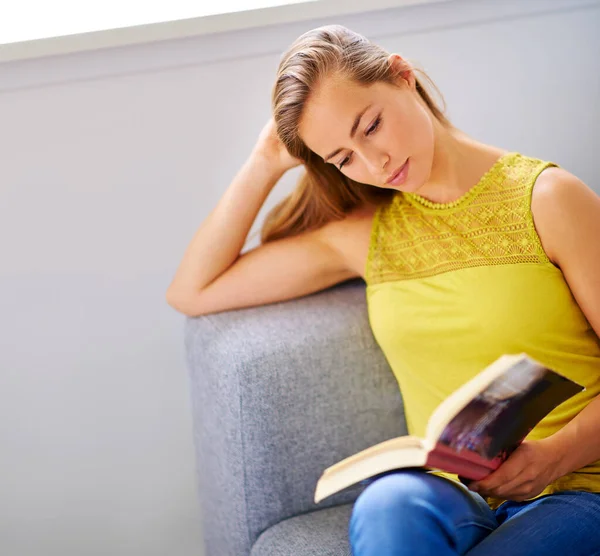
(371, 130)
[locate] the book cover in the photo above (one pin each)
(493, 423)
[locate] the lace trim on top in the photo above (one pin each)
(490, 224)
(491, 174)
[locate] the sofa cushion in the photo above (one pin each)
(281, 392)
(318, 533)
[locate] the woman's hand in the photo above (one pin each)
(270, 147)
(525, 474)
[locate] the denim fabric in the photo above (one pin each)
(412, 512)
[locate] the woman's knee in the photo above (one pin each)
(411, 511)
(402, 492)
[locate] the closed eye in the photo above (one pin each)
(369, 131)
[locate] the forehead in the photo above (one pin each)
(329, 113)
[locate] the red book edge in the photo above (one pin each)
(466, 463)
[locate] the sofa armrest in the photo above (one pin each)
(279, 393)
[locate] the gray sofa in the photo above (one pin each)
(279, 393)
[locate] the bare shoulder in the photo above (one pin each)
(350, 237)
(561, 201)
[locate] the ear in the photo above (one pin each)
(402, 69)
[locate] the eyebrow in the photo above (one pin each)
(352, 132)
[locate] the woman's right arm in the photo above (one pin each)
(214, 277)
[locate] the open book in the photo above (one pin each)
(471, 432)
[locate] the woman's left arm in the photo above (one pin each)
(566, 214)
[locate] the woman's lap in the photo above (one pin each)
(413, 512)
(562, 523)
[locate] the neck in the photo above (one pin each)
(458, 163)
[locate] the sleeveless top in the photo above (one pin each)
(453, 286)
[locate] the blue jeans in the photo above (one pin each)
(416, 513)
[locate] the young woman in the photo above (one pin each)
(468, 252)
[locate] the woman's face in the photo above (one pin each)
(394, 127)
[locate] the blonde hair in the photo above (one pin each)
(323, 193)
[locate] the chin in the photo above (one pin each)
(407, 188)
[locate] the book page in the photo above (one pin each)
(397, 453)
(463, 395)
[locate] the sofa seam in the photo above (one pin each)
(243, 460)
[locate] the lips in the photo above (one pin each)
(395, 173)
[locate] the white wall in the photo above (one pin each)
(110, 160)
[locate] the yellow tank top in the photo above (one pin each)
(453, 286)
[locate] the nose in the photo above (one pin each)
(377, 162)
